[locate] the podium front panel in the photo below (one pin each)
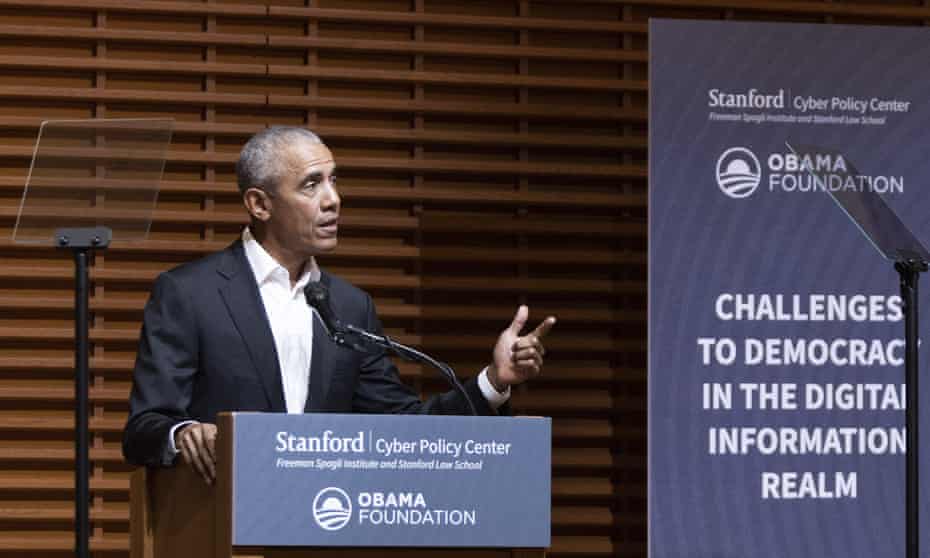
(390, 480)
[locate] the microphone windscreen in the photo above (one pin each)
(316, 293)
(317, 296)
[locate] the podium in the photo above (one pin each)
(328, 485)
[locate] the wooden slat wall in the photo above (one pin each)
(492, 152)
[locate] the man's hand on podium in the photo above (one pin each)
(517, 359)
(197, 444)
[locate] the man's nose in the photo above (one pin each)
(330, 199)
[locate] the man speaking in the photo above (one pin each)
(233, 331)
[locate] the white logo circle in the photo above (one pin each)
(738, 172)
(332, 508)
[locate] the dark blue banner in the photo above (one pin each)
(776, 354)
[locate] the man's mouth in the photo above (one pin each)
(328, 227)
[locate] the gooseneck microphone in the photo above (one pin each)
(358, 339)
(318, 298)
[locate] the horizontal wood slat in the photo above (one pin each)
(488, 109)
(133, 36)
(455, 137)
(457, 79)
(455, 20)
(478, 196)
(69, 63)
(11, 391)
(458, 49)
(425, 167)
(43, 542)
(144, 6)
(46, 423)
(60, 481)
(13, 92)
(28, 511)
(313, 72)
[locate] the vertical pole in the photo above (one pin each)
(81, 366)
(909, 272)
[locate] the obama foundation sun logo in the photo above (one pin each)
(332, 509)
(738, 172)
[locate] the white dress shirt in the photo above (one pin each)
(290, 316)
(291, 320)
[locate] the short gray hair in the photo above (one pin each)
(260, 159)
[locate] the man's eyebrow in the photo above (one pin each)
(316, 176)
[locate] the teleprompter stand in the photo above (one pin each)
(90, 182)
(888, 234)
(82, 242)
(910, 270)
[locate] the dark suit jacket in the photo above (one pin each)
(206, 346)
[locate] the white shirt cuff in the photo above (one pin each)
(174, 448)
(494, 398)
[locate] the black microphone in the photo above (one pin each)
(318, 298)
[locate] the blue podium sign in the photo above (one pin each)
(374, 480)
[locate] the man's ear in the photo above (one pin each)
(258, 203)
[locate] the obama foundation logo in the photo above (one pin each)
(738, 172)
(332, 509)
